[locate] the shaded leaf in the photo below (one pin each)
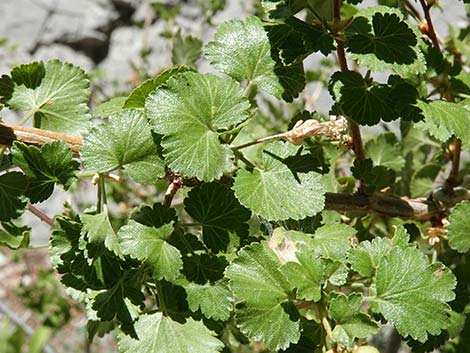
(215, 207)
(186, 50)
(44, 167)
(459, 225)
(12, 186)
(14, 236)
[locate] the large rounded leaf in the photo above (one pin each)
(191, 112)
(276, 192)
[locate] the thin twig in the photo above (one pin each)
(410, 7)
(30, 135)
(41, 215)
(431, 32)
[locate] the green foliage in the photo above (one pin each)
(54, 93)
(201, 242)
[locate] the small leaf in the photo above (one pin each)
(186, 50)
(14, 236)
(275, 192)
(306, 275)
(412, 295)
(99, 231)
(345, 310)
(374, 178)
(214, 300)
(12, 186)
(333, 241)
(124, 140)
(379, 39)
(110, 107)
(203, 268)
(459, 222)
(160, 334)
(384, 150)
(241, 49)
(136, 99)
(191, 111)
(150, 244)
(56, 93)
(215, 207)
(44, 167)
(444, 119)
(155, 216)
(255, 280)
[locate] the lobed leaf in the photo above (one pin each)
(124, 141)
(191, 111)
(54, 93)
(459, 224)
(150, 244)
(12, 186)
(412, 295)
(216, 208)
(277, 193)
(214, 300)
(160, 334)
(44, 167)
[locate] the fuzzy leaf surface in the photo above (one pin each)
(214, 300)
(12, 186)
(444, 119)
(160, 334)
(277, 193)
(126, 140)
(191, 111)
(263, 315)
(241, 49)
(137, 97)
(412, 295)
(459, 225)
(186, 50)
(44, 167)
(150, 244)
(55, 92)
(217, 209)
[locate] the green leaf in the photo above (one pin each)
(287, 8)
(384, 150)
(55, 93)
(214, 300)
(186, 50)
(459, 225)
(150, 244)
(374, 178)
(14, 236)
(191, 112)
(306, 275)
(345, 310)
(255, 280)
(126, 140)
(201, 268)
(379, 39)
(136, 99)
(44, 167)
(241, 49)
(275, 192)
(333, 241)
(412, 295)
(110, 107)
(160, 334)
(215, 207)
(99, 231)
(12, 186)
(155, 216)
(444, 119)
(366, 257)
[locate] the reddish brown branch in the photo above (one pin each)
(41, 215)
(454, 179)
(30, 135)
(431, 32)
